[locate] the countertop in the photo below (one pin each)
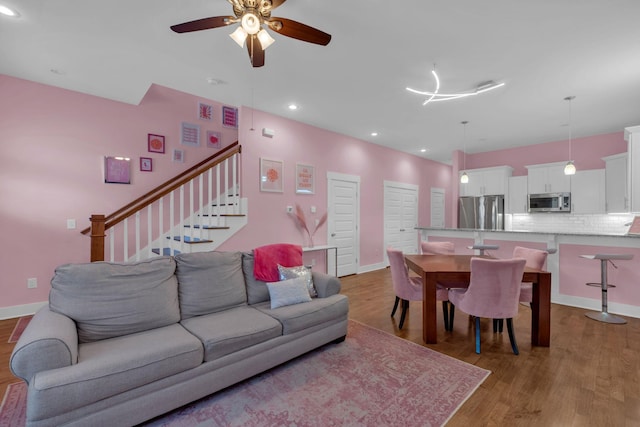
(551, 233)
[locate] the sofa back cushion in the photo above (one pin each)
(107, 300)
(257, 290)
(209, 282)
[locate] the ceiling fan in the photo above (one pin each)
(252, 16)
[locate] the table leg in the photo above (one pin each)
(429, 313)
(541, 311)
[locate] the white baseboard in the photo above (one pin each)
(596, 305)
(20, 310)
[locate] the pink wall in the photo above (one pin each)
(52, 143)
(587, 153)
(328, 152)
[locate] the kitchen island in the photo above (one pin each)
(569, 271)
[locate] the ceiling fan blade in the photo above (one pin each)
(204, 24)
(256, 53)
(276, 3)
(297, 30)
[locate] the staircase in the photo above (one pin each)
(195, 211)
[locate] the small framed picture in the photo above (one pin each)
(190, 134)
(305, 179)
(155, 143)
(230, 117)
(205, 111)
(117, 170)
(146, 164)
(214, 139)
(271, 175)
(178, 156)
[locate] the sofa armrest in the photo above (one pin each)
(325, 284)
(49, 341)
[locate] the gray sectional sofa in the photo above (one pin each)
(119, 344)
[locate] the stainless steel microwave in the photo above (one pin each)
(550, 202)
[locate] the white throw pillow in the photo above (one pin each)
(288, 292)
(301, 271)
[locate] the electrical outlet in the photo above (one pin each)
(32, 283)
(289, 209)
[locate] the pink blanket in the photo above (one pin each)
(267, 258)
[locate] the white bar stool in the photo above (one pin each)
(604, 316)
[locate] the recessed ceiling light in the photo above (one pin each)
(423, 150)
(374, 133)
(8, 12)
(293, 107)
(213, 81)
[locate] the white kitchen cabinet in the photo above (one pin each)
(486, 181)
(632, 135)
(548, 178)
(588, 192)
(616, 189)
(518, 197)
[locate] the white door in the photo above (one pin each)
(437, 207)
(343, 221)
(401, 217)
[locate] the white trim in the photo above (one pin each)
(20, 310)
(401, 185)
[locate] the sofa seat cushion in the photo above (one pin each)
(231, 330)
(297, 317)
(109, 367)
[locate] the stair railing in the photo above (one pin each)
(154, 223)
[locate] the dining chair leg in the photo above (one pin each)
(512, 336)
(405, 306)
(445, 314)
(395, 306)
(452, 312)
(477, 334)
(500, 325)
(495, 325)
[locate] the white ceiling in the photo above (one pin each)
(544, 50)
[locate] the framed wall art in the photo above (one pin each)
(117, 170)
(271, 175)
(155, 143)
(230, 117)
(305, 179)
(178, 156)
(205, 111)
(190, 134)
(146, 164)
(214, 139)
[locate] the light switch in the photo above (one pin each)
(313, 209)
(71, 224)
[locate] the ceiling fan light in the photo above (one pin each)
(250, 23)
(265, 39)
(239, 36)
(570, 168)
(464, 178)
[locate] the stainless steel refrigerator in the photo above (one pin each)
(481, 213)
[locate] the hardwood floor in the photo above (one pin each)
(590, 376)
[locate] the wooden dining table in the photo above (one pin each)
(456, 269)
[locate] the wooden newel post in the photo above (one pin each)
(97, 237)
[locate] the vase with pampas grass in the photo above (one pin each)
(301, 221)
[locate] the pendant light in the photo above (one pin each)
(464, 178)
(570, 168)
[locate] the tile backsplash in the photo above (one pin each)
(614, 224)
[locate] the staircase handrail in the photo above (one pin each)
(168, 186)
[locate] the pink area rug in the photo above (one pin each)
(19, 329)
(371, 379)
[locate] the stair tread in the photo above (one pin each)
(165, 251)
(208, 227)
(190, 240)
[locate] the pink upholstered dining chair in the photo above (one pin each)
(494, 292)
(410, 288)
(535, 259)
(437, 248)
